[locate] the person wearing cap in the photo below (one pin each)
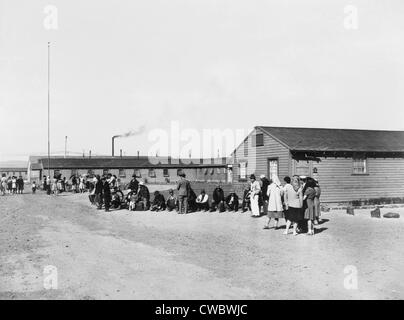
(202, 202)
(255, 189)
(183, 187)
(172, 201)
(264, 197)
(232, 201)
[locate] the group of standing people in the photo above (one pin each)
(297, 201)
(11, 185)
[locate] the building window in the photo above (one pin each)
(359, 166)
(246, 147)
(165, 172)
(122, 173)
(243, 170)
(137, 173)
(273, 168)
(206, 171)
(74, 172)
(258, 140)
(152, 173)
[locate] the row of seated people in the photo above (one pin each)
(140, 201)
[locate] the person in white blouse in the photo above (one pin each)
(255, 188)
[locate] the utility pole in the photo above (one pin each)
(65, 146)
(49, 109)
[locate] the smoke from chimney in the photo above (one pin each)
(130, 133)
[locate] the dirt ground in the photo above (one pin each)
(145, 255)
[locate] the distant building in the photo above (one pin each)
(152, 170)
(14, 171)
(349, 164)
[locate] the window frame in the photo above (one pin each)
(151, 173)
(245, 163)
(121, 173)
(255, 144)
(364, 160)
(166, 172)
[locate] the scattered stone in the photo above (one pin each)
(350, 211)
(325, 208)
(391, 215)
(375, 213)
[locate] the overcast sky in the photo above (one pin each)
(119, 65)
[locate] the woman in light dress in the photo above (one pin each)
(275, 206)
(255, 188)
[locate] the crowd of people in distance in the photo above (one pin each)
(11, 185)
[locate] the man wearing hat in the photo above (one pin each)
(133, 184)
(183, 187)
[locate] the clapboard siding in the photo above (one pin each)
(385, 178)
(258, 156)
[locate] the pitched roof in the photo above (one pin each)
(319, 139)
(13, 169)
(128, 162)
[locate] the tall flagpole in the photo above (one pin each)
(49, 109)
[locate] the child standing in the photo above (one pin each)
(33, 187)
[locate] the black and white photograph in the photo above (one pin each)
(202, 150)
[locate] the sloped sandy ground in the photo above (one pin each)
(145, 255)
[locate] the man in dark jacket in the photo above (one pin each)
(144, 196)
(106, 192)
(183, 188)
(133, 184)
(264, 197)
(218, 199)
(232, 201)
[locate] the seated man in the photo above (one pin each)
(159, 202)
(218, 199)
(191, 200)
(246, 204)
(143, 196)
(202, 202)
(232, 201)
(172, 201)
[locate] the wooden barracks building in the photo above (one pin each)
(349, 164)
(153, 170)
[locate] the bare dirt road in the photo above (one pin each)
(145, 255)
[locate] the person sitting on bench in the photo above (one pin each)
(159, 202)
(232, 201)
(202, 202)
(172, 201)
(218, 199)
